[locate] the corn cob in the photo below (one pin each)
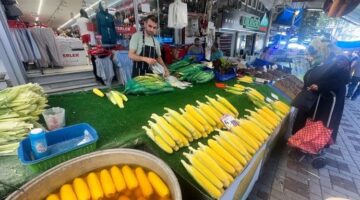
(159, 186)
(129, 177)
(216, 147)
(236, 92)
(226, 103)
(215, 168)
(181, 119)
(242, 134)
(81, 189)
(206, 117)
(205, 171)
(271, 113)
(240, 86)
(53, 197)
(174, 134)
(67, 192)
(122, 95)
(98, 92)
(258, 123)
(268, 117)
(202, 181)
(236, 142)
(118, 99)
(283, 108)
(111, 98)
(95, 188)
(172, 121)
(222, 163)
(158, 140)
(261, 119)
(251, 129)
(199, 127)
(209, 111)
(157, 130)
(118, 178)
(192, 111)
(144, 182)
(219, 107)
(107, 184)
(230, 149)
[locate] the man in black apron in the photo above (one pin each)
(145, 50)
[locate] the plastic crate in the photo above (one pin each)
(225, 77)
(54, 137)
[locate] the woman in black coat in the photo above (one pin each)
(330, 75)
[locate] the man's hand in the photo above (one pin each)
(166, 72)
(149, 61)
(313, 88)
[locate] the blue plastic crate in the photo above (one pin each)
(225, 77)
(55, 137)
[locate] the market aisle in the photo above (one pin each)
(285, 178)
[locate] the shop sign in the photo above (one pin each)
(125, 30)
(250, 22)
(241, 20)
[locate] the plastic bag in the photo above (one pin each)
(54, 118)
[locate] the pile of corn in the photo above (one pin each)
(148, 84)
(175, 129)
(246, 79)
(19, 110)
(115, 97)
(122, 183)
(215, 165)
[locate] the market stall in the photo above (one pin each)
(122, 128)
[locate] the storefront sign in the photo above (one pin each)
(125, 30)
(241, 20)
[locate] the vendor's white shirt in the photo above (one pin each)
(82, 24)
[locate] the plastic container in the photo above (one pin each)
(60, 149)
(54, 118)
(225, 77)
(38, 143)
(54, 178)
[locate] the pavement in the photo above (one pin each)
(286, 176)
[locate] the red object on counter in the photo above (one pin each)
(220, 85)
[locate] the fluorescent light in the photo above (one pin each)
(315, 9)
(40, 6)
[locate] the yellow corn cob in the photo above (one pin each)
(206, 117)
(118, 178)
(122, 95)
(118, 99)
(256, 93)
(202, 181)
(204, 170)
(94, 186)
(222, 163)
(271, 113)
(157, 130)
(231, 150)
(181, 119)
(261, 119)
(199, 127)
(283, 108)
(158, 140)
(269, 118)
(144, 183)
(159, 186)
(111, 98)
(218, 113)
(258, 124)
(250, 129)
(239, 86)
(67, 193)
(130, 178)
(98, 92)
(242, 134)
(172, 121)
(219, 107)
(194, 113)
(221, 174)
(107, 184)
(216, 147)
(171, 131)
(209, 111)
(235, 141)
(81, 189)
(258, 129)
(227, 104)
(53, 197)
(124, 197)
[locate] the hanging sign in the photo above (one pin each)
(241, 20)
(125, 30)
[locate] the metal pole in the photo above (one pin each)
(267, 34)
(136, 12)
(158, 15)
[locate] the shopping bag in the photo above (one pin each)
(312, 138)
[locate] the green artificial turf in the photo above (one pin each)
(122, 127)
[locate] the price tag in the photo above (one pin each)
(274, 96)
(260, 80)
(268, 100)
(229, 121)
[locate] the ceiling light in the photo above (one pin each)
(40, 6)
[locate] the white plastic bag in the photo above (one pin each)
(54, 118)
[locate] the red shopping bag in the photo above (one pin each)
(312, 138)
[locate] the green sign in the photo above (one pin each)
(250, 22)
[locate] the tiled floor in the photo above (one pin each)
(284, 177)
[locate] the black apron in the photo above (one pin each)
(142, 68)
